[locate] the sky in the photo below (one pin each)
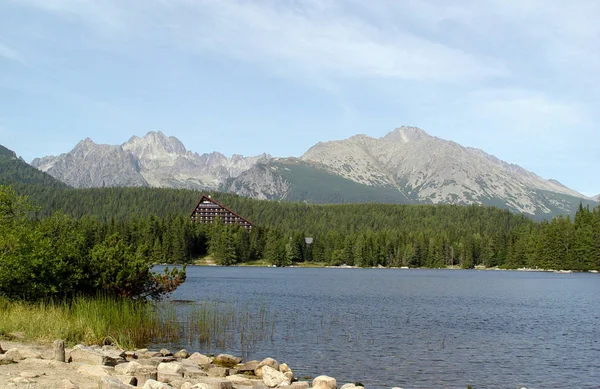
(519, 79)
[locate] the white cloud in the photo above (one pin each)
(10, 53)
(313, 37)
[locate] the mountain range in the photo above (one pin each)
(406, 166)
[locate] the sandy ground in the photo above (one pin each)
(41, 373)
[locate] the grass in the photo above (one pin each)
(130, 324)
(98, 320)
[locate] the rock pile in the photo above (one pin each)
(117, 369)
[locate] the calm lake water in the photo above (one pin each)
(416, 328)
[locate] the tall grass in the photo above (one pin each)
(98, 320)
(218, 325)
(132, 324)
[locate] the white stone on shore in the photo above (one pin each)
(274, 378)
(200, 359)
(152, 384)
(324, 382)
(170, 371)
(128, 368)
(266, 362)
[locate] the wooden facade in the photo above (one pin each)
(208, 210)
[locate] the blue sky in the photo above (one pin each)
(519, 79)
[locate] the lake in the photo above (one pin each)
(415, 328)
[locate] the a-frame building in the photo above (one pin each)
(208, 210)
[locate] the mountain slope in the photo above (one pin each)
(427, 169)
(154, 160)
(17, 173)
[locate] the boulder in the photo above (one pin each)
(227, 360)
(188, 385)
(95, 356)
(152, 384)
(242, 380)
(165, 353)
(169, 371)
(249, 366)
(193, 372)
(128, 368)
(13, 355)
(181, 354)
(127, 379)
(324, 382)
(113, 383)
(145, 373)
(274, 378)
(30, 354)
(266, 362)
(215, 383)
(283, 367)
(299, 385)
(200, 359)
(351, 386)
(289, 375)
(218, 371)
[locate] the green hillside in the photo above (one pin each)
(18, 173)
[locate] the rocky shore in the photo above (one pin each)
(107, 367)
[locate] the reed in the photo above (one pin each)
(97, 320)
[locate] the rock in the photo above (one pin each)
(96, 370)
(92, 356)
(127, 379)
(283, 367)
(324, 382)
(289, 375)
(273, 378)
(266, 362)
(59, 350)
(165, 353)
(193, 372)
(260, 385)
(141, 351)
(350, 386)
(130, 355)
(128, 368)
(249, 366)
(152, 384)
(181, 354)
(242, 380)
(200, 359)
(215, 383)
(300, 385)
(67, 384)
(227, 360)
(13, 355)
(188, 385)
(170, 371)
(1, 351)
(145, 373)
(218, 371)
(113, 383)
(162, 359)
(30, 354)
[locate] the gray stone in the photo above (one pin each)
(200, 359)
(13, 355)
(193, 372)
(113, 383)
(59, 350)
(165, 353)
(128, 368)
(350, 386)
(300, 385)
(249, 366)
(227, 360)
(170, 371)
(218, 371)
(94, 356)
(266, 362)
(145, 373)
(181, 354)
(152, 384)
(324, 382)
(273, 378)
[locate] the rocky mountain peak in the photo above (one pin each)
(406, 134)
(154, 143)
